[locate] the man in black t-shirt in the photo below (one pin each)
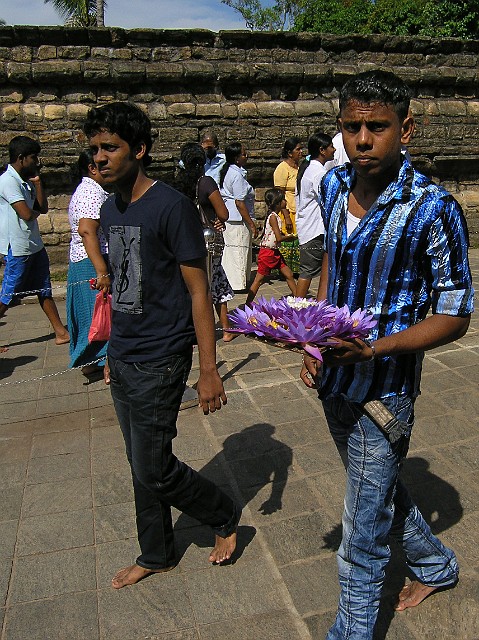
(160, 300)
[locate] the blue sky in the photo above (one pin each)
(130, 14)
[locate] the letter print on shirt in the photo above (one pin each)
(125, 264)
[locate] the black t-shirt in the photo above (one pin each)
(147, 241)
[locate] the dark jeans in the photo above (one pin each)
(147, 398)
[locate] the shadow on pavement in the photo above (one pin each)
(8, 365)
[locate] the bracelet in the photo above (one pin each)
(370, 344)
(103, 275)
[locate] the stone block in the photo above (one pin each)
(208, 110)
(229, 110)
(74, 53)
(77, 111)
(96, 71)
(46, 52)
(181, 109)
(247, 110)
(9, 95)
(317, 73)
(289, 71)
(120, 54)
(473, 108)
(177, 97)
(452, 107)
(45, 224)
(59, 201)
(128, 71)
(22, 54)
(232, 72)
(199, 69)
(60, 223)
(313, 107)
(32, 112)
(157, 111)
(276, 109)
(162, 71)
(56, 70)
(19, 71)
(54, 111)
(11, 112)
(142, 53)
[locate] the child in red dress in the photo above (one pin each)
(269, 256)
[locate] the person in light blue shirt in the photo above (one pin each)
(22, 200)
(395, 244)
(214, 160)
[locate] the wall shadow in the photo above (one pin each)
(256, 460)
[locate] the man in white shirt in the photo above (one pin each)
(309, 222)
(214, 159)
(22, 200)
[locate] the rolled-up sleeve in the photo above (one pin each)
(452, 291)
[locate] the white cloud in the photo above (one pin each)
(130, 14)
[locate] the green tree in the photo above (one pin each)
(77, 13)
(396, 17)
(447, 18)
(281, 15)
(334, 16)
(2, 22)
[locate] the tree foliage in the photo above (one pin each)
(77, 13)
(436, 18)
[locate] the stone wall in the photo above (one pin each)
(256, 87)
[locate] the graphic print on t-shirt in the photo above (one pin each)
(125, 263)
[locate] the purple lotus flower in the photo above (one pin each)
(300, 322)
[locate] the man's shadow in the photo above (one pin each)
(256, 460)
(8, 365)
(439, 503)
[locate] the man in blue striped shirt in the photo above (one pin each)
(396, 244)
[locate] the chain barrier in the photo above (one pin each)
(60, 286)
(51, 375)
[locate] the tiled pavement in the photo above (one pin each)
(66, 511)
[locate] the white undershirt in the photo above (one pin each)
(352, 223)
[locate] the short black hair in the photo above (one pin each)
(126, 120)
(209, 135)
(85, 159)
(232, 153)
(22, 146)
(377, 86)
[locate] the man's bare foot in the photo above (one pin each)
(3, 349)
(223, 549)
(228, 337)
(133, 574)
(413, 594)
(62, 338)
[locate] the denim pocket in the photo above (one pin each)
(165, 367)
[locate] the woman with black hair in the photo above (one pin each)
(284, 178)
(309, 222)
(238, 196)
(88, 259)
(191, 181)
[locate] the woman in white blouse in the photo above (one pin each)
(238, 196)
(88, 259)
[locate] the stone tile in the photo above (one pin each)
(110, 461)
(8, 538)
(277, 501)
(115, 522)
(258, 471)
(330, 488)
(448, 427)
(12, 473)
(264, 378)
(159, 604)
(104, 416)
(53, 574)
(106, 437)
(253, 441)
(214, 470)
(297, 538)
(11, 502)
(463, 457)
(15, 449)
(5, 572)
(190, 447)
(442, 381)
(63, 404)
(319, 624)
(112, 488)
(58, 468)
(458, 358)
(302, 432)
(66, 422)
(318, 458)
(55, 531)
(277, 625)
(55, 497)
(216, 597)
(99, 395)
(18, 411)
(72, 616)
(112, 556)
(313, 585)
(50, 444)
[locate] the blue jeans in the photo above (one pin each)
(147, 398)
(376, 505)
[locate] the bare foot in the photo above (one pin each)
(228, 337)
(413, 594)
(223, 549)
(3, 349)
(133, 574)
(62, 338)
